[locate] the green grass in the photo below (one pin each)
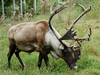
(89, 64)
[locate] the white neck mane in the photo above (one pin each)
(52, 41)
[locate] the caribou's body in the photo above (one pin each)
(42, 37)
(34, 36)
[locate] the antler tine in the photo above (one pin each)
(53, 13)
(56, 10)
(86, 38)
(73, 41)
(79, 40)
(52, 7)
(82, 7)
(70, 34)
(84, 12)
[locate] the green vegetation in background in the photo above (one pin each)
(29, 7)
(89, 63)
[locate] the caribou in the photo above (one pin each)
(42, 37)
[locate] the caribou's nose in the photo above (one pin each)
(75, 67)
(72, 67)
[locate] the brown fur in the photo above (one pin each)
(30, 32)
(37, 36)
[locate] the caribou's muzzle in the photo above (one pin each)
(73, 67)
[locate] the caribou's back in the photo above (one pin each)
(29, 36)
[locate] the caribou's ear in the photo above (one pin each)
(61, 47)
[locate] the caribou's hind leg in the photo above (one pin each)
(20, 60)
(12, 48)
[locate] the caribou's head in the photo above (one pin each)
(70, 52)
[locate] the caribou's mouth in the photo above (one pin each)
(72, 67)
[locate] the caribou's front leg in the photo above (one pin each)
(41, 56)
(40, 60)
(46, 60)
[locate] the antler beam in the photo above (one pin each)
(57, 10)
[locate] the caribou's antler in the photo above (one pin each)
(70, 35)
(57, 10)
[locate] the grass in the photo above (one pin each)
(89, 64)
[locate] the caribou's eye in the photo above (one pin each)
(75, 47)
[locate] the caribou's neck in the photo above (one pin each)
(52, 41)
